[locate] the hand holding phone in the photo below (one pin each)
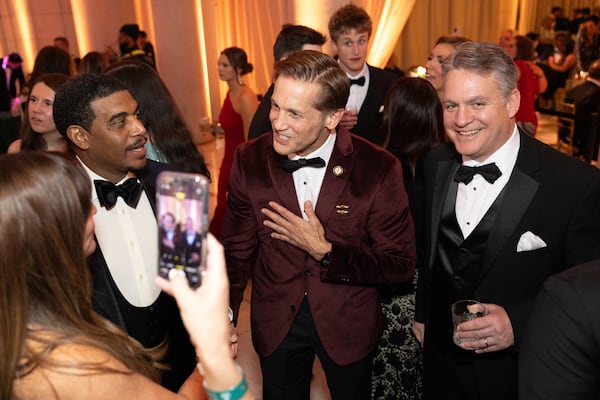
(182, 204)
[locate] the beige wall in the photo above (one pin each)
(187, 50)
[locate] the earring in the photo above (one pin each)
(239, 80)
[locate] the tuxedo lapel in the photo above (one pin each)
(339, 170)
(103, 299)
(370, 105)
(517, 197)
(444, 176)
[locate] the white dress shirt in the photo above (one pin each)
(128, 238)
(475, 199)
(308, 180)
(358, 93)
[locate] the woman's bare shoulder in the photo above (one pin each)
(14, 147)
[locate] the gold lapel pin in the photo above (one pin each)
(342, 209)
(338, 170)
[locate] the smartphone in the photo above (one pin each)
(182, 208)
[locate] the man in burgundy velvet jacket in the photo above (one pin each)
(320, 219)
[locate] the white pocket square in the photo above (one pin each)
(529, 242)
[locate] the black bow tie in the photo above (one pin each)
(358, 81)
(489, 172)
(130, 191)
(293, 165)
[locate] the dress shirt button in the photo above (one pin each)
(306, 272)
(463, 251)
(293, 308)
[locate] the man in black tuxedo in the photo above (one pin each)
(192, 244)
(350, 28)
(99, 119)
(503, 212)
(586, 98)
(291, 38)
(560, 355)
(170, 241)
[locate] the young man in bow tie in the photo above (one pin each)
(504, 212)
(320, 219)
(99, 119)
(350, 28)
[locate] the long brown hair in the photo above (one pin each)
(160, 114)
(31, 139)
(45, 290)
(412, 118)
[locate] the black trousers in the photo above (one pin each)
(287, 372)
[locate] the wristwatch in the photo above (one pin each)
(326, 259)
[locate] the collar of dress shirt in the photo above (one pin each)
(505, 157)
(324, 151)
(364, 72)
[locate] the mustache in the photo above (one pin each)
(138, 143)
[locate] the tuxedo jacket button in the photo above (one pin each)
(293, 308)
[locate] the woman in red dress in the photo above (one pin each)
(235, 116)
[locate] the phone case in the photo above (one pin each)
(182, 207)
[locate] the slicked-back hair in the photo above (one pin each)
(72, 103)
(316, 67)
(292, 37)
(484, 59)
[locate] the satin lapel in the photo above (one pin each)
(283, 184)
(518, 194)
(342, 162)
(370, 105)
(104, 299)
(443, 178)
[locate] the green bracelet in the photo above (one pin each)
(234, 393)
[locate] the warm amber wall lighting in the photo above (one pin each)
(145, 18)
(81, 29)
(202, 50)
(23, 20)
(313, 13)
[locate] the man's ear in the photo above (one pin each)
(513, 103)
(79, 136)
(332, 119)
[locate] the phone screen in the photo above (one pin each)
(182, 207)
